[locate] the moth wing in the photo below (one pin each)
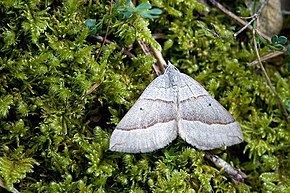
(150, 124)
(204, 123)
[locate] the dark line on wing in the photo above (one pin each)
(211, 122)
(193, 97)
(146, 126)
(165, 87)
(150, 99)
(167, 120)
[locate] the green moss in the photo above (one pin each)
(54, 137)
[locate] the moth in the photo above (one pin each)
(174, 105)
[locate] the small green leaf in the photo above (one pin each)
(288, 67)
(276, 47)
(144, 10)
(274, 39)
(168, 44)
(121, 9)
(91, 24)
(128, 3)
(144, 6)
(282, 40)
(155, 11)
(127, 15)
(279, 47)
(148, 15)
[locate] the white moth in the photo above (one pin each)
(175, 104)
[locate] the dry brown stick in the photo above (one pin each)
(159, 68)
(14, 190)
(160, 60)
(236, 175)
(96, 85)
(106, 41)
(238, 19)
(254, 17)
(267, 57)
(144, 47)
(284, 110)
(107, 31)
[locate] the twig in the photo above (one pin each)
(284, 110)
(159, 68)
(157, 35)
(107, 31)
(285, 12)
(215, 33)
(144, 47)
(237, 19)
(247, 25)
(254, 17)
(106, 41)
(236, 175)
(96, 85)
(267, 57)
(160, 60)
(14, 190)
